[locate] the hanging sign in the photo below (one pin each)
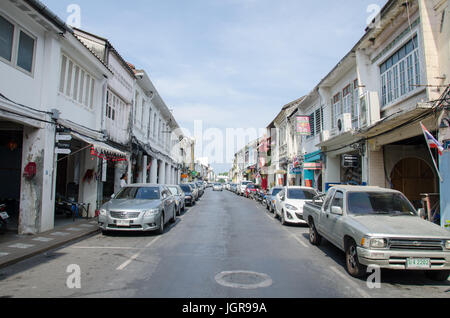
(303, 126)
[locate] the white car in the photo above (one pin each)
(242, 187)
(217, 187)
(289, 203)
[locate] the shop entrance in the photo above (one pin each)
(413, 176)
(11, 138)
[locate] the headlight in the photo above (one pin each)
(374, 242)
(447, 244)
(152, 212)
(103, 212)
(291, 207)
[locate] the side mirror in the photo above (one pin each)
(112, 196)
(422, 213)
(336, 210)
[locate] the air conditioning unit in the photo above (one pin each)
(369, 105)
(324, 135)
(344, 123)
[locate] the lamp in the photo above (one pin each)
(12, 145)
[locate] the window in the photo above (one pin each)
(76, 83)
(347, 99)
(25, 52)
(338, 200)
(355, 105)
(400, 74)
(16, 46)
(114, 106)
(6, 39)
(336, 109)
(311, 124)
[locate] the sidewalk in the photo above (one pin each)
(15, 250)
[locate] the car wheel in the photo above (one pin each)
(439, 276)
(314, 236)
(161, 225)
(184, 207)
(178, 212)
(354, 268)
(105, 232)
(282, 219)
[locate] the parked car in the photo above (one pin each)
(251, 190)
(377, 226)
(270, 198)
(189, 197)
(243, 186)
(179, 198)
(138, 207)
(289, 203)
(233, 187)
(195, 191)
(218, 187)
(200, 189)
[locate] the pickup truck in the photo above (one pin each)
(377, 226)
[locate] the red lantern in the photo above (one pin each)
(30, 170)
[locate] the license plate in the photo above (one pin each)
(4, 215)
(418, 263)
(123, 223)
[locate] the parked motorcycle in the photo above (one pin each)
(63, 206)
(3, 218)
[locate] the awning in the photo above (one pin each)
(99, 146)
(314, 156)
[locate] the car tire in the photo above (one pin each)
(178, 211)
(282, 218)
(314, 237)
(162, 228)
(105, 232)
(354, 268)
(439, 276)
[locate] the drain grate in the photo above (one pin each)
(243, 279)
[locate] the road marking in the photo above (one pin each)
(346, 278)
(135, 256)
(126, 263)
(3, 254)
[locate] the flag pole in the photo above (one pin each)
(431, 154)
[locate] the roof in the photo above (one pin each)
(363, 188)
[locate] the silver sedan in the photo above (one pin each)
(138, 207)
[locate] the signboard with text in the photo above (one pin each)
(303, 126)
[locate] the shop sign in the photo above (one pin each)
(350, 161)
(312, 166)
(303, 126)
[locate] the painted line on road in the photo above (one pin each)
(346, 278)
(106, 247)
(135, 256)
(127, 262)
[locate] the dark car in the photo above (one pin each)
(188, 194)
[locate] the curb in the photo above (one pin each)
(47, 248)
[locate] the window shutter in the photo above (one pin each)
(332, 113)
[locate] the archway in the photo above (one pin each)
(413, 176)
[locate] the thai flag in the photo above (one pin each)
(432, 142)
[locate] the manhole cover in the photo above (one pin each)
(243, 279)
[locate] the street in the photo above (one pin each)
(225, 246)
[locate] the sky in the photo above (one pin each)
(228, 63)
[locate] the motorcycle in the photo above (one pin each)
(63, 206)
(3, 218)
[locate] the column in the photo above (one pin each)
(144, 169)
(154, 171)
(162, 173)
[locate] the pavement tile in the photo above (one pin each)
(74, 229)
(43, 239)
(87, 225)
(59, 233)
(3, 254)
(21, 245)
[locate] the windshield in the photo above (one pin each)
(276, 191)
(379, 203)
(301, 194)
(185, 188)
(174, 190)
(138, 193)
(245, 183)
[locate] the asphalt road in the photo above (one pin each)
(225, 246)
